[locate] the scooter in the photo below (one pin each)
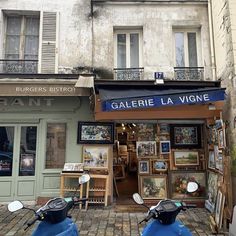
(164, 214)
(53, 215)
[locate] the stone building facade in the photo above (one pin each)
(223, 14)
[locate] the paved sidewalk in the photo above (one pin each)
(103, 222)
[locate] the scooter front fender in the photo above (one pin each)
(155, 228)
(63, 228)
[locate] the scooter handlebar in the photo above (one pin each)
(32, 221)
(150, 216)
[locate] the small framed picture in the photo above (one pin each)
(211, 160)
(186, 158)
(159, 166)
(144, 167)
(164, 147)
(164, 128)
(146, 149)
(221, 139)
(95, 157)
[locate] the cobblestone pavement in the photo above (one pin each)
(103, 222)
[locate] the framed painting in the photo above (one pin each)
(219, 162)
(146, 132)
(185, 136)
(153, 187)
(186, 158)
(95, 157)
(144, 167)
(164, 147)
(95, 133)
(164, 128)
(159, 166)
(119, 171)
(212, 181)
(146, 149)
(221, 139)
(179, 180)
(220, 201)
(211, 160)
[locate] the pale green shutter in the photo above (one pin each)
(49, 43)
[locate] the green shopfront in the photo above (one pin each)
(38, 134)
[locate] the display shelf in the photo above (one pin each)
(96, 190)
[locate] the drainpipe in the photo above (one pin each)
(212, 42)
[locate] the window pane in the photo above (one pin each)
(13, 37)
(56, 145)
(134, 50)
(31, 38)
(192, 49)
(179, 49)
(121, 50)
(6, 150)
(28, 150)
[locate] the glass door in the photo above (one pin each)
(18, 145)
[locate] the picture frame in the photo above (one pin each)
(119, 171)
(153, 187)
(165, 147)
(73, 167)
(220, 201)
(146, 149)
(159, 165)
(27, 164)
(212, 160)
(95, 157)
(146, 132)
(186, 158)
(143, 167)
(95, 133)
(212, 183)
(219, 162)
(185, 136)
(221, 138)
(164, 129)
(179, 180)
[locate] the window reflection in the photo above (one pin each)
(6, 150)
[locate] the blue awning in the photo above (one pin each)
(115, 100)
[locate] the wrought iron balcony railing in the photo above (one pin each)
(128, 73)
(18, 66)
(189, 73)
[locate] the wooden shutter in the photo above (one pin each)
(48, 63)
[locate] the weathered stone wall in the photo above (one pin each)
(74, 28)
(156, 21)
(224, 22)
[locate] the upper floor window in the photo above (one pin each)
(128, 51)
(187, 53)
(22, 37)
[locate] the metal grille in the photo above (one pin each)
(189, 73)
(18, 66)
(128, 73)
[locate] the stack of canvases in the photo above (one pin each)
(218, 175)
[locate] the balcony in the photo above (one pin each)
(189, 73)
(18, 66)
(128, 73)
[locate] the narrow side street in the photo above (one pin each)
(103, 222)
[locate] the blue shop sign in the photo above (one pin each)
(196, 97)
